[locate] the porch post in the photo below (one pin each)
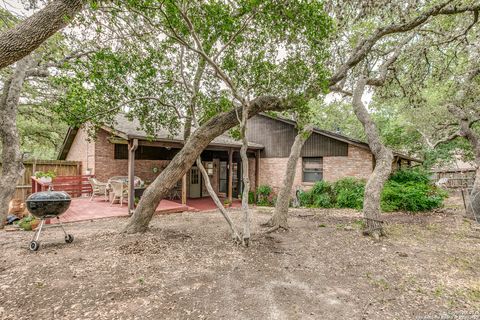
(132, 146)
(257, 172)
(230, 175)
(184, 189)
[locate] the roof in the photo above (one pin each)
(131, 129)
(340, 137)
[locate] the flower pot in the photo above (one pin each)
(45, 179)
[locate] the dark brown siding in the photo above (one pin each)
(278, 137)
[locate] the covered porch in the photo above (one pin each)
(222, 162)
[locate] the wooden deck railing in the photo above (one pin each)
(75, 186)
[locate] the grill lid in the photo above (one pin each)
(49, 195)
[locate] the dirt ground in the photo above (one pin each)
(186, 267)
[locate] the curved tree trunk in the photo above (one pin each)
(475, 193)
(30, 33)
(466, 121)
(218, 203)
(383, 164)
(280, 215)
(12, 165)
(184, 159)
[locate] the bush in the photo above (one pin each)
(349, 193)
(322, 195)
(406, 190)
(411, 175)
(411, 196)
(251, 197)
(263, 195)
(304, 198)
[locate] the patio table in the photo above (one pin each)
(139, 189)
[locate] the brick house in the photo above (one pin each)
(325, 155)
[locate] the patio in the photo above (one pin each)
(82, 209)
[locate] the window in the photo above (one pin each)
(121, 151)
(145, 152)
(209, 168)
(312, 169)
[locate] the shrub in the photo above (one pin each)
(411, 190)
(407, 190)
(411, 196)
(263, 195)
(251, 197)
(304, 198)
(349, 193)
(411, 175)
(322, 195)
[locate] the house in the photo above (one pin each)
(325, 155)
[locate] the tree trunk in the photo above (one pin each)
(465, 122)
(218, 203)
(383, 164)
(184, 159)
(30, 33)
(245, 178)
(280, 215)
(12, 165)
(475, 193)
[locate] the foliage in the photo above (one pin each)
(349, 193)
(406, 190)
(322, 195)
(42, 174)
(27, 223)
(411, 190)
(264, 193)
(251, 197)
(419, 175)
(263, 47)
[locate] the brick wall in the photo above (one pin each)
(272, 171)
(106, 166)
(358, 164)
(82, 150)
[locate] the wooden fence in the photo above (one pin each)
(456, 179)
(60, 167)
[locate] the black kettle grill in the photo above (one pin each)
(46, 205)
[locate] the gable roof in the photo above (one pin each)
(339, 137)
(128, 129)
(131, 129)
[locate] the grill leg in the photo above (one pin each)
(61, 226)
(36, 236)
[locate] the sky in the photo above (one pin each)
(16, 7)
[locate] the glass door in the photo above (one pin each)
(223, 177)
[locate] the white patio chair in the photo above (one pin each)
(119, 191)
(98, 188)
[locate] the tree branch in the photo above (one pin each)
(364, 47)
(29, 34)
